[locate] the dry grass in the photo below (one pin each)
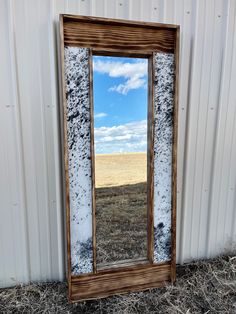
(121, 206)
(120, 169)
(201, 287)
(121, 222)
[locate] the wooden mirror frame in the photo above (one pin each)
(112, 37)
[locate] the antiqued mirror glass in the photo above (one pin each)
(120, 98)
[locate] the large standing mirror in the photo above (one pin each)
(120, 97)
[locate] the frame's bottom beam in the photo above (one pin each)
(109, 283)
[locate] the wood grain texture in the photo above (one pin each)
(122, 53)
(110, 22)
(92, 160)
(66, 164)
(150, 187)
(132, 36)
(119, 281)
(122, 264)
(174, 159)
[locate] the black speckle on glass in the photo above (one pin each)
(78, 139)
(163, 130)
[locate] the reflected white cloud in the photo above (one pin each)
(133, 73)
(100, 115)
(129, 137)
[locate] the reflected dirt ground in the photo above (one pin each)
(121, 222)
(121, 210)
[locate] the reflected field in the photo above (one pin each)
(120, 169)
(120, 94)
(121, 206)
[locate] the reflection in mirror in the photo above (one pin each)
(120, 138)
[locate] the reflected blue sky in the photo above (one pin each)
(120, 104)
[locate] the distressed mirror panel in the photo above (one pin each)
(163, 141)
(79, 158)
(120, 134)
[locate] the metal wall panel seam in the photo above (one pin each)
(167, 12)
(6, 112)
(201, 189)
(179, 19)
(190, 161)
(37, 137)
(213, 103)
(19, 136)
(53, 57)
(227, 153)
(220, 130)
(23, 49)
(229, 213)
(43, 132)
(233, 225)
(49, 113)
(185, 81)
(232, 169)
(12, 165)
(58, 10)
(197, 146)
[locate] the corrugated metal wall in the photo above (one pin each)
(31, 205)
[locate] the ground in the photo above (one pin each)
(121, 222)
(120, 169)
(201, 287)
(121, 206)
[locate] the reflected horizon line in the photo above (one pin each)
(120, 153)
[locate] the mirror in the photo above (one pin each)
(120, 97)
(120, 147)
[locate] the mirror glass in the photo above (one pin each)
(120, 96)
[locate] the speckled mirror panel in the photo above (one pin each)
(79, 158)
(163, 136)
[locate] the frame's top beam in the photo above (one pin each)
(101, 20)
(116, 35)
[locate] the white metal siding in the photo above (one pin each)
(31, 199)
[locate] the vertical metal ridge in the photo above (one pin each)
(217, 105)
(233, 223)
(105, 8)
(181, 140)
(36, 178)
(58, 120)
(232, 137)
(54, 73)
(220, 135)
(141, 10)
(183, 252)
(228, 118)
(19, 139)
(189, 195)
(195, 219)
(130, 10)
(227, 211)
(28, 148)
(185, 90)
(204, 189)
(92, 10)
(44, 149)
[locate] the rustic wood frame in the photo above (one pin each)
(109, 37)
